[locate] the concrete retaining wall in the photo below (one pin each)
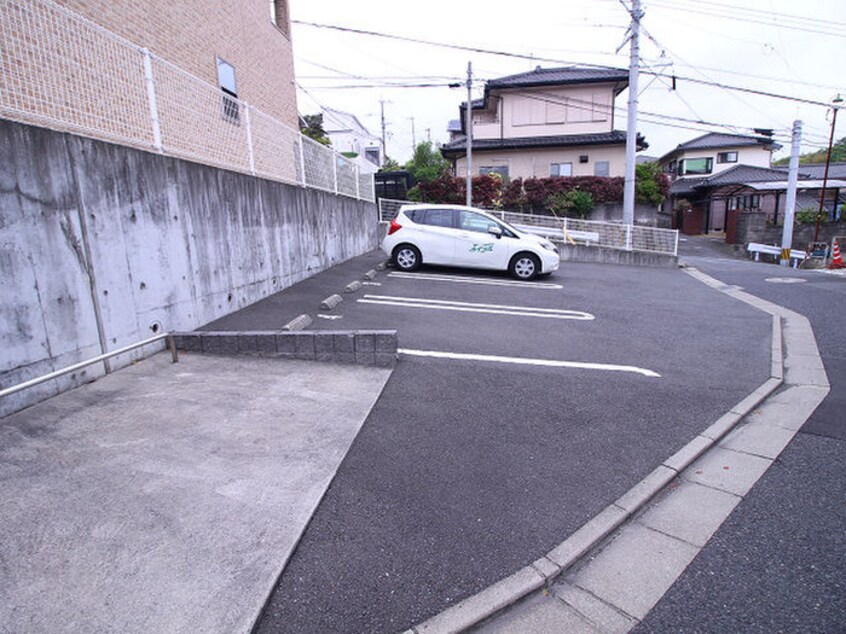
(598, 255)
(103, 245)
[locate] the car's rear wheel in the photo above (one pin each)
(524, 266)
(407, 257)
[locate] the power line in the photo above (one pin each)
(762, 93)
(789, 16)
(748, 20)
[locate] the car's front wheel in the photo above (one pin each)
(407, 257)
(525, 266)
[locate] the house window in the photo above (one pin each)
(751, 201)
(279, 14)
(601, 168)
(696, 166)
(502, 170)
(561, 169)
(727, 157)
(671, 167)
(372, 155)
(229, 88)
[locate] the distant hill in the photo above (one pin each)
(838, 155)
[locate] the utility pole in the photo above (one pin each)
(429, 134)
(631, 124)
(384, 145)
(469, 126)
(836, 104)
(790, 202)
(413, 136)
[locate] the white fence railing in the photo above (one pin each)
(610, 235)
(62, 71)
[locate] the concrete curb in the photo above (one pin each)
(590, 536)
(352, 287)
(360, 347)
(370, 275)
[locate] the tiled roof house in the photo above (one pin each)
(546, 122)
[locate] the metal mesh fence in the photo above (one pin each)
(366, 186)
(276, 148)
(319, 165)
(610, 235)
(347, 179)
(198, 121)
(388, 208)
(63, 71)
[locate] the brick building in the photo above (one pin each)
(206, 80)
(253, 37)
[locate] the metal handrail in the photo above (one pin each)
(78, 366)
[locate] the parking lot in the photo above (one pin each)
(516, 412)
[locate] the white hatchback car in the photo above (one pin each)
(455, 235)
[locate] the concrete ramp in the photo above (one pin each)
(168, 497)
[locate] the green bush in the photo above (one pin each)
(806, 216)
(575, 203)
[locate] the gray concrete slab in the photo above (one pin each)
(635, 570)
(690, 512)
(729, 471)
(759, 438)
(167, 497)
(597, 612)
(540, 613)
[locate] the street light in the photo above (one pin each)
(836, 104)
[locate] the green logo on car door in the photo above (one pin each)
(482, 248)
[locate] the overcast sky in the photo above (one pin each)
(795, 49)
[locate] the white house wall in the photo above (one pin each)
(535, 163)
(552, 112)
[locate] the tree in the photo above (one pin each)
(313, 128)
(838, 154)
(426, 163)
(390, 165)
(651, 184)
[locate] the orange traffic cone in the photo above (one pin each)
(836, 258)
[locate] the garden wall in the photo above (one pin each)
(753, 227)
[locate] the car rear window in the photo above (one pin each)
(435, 217)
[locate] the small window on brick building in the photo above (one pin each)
(279, 15)
(229, 90)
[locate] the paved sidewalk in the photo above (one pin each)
(168, 497)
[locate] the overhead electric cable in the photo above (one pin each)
(762, 93)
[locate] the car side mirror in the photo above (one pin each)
(497, 231)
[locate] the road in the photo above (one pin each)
(777, 563)
(468, 468)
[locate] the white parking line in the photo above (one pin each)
(492, 309)
(548, 363)
(461, 279)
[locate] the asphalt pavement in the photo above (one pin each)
(530, 419)
(777, 563)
